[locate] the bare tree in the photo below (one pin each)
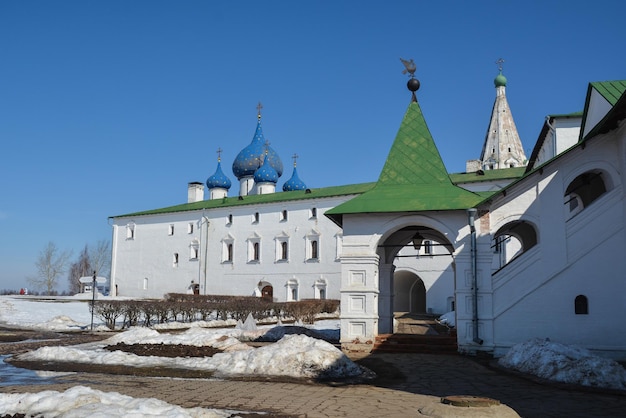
(100, 258)
(50, 264)
(80, 268)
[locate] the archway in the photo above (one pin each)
(410, 292)
(264, 290)
(426, 275)
(267, 292)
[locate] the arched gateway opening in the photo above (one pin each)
(416, 275)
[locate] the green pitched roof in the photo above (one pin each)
(413, 178)
(610, 90)
(488, 175)
(611, 119)
(324, 192)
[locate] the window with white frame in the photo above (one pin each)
(175, 260)
(320, 288)
(229, 220)
(145, 283)
(282, 247)
(255, 218)
(313, 213)
(170, 229)
(194, 250)
(313, 246)
(190, 228)
(228, 243)
(292, 290)
(254, 248)
(130, 231)
(283, 215)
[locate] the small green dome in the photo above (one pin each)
(500, 80)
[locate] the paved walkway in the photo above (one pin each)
(408, 383)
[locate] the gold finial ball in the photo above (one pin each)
(413, 84)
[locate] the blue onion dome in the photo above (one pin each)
(266, 173)
(218, 179)
(251, 157)
(294, 183)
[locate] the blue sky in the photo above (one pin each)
(110, 107)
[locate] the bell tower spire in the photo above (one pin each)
(502, 147)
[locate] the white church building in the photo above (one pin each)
(518, 247)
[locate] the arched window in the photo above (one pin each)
(255, 251)
(585, 189)
(581, 305)
(292, 290)
(512, 240)
(130, 231)
(320, 288)
(228, 245)
(312, 246)
(283, 250)
(254, 248)
(314, 250)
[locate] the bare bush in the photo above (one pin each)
(109, 311)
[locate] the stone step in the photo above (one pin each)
(412, 343)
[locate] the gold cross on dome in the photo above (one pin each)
(219, 154)
(295, 157)
(258, 109)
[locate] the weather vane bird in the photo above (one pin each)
(409, 67)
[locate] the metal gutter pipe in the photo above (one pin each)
(471, 215)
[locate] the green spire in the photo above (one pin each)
(413, 178)
(413, 158)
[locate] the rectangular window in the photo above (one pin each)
(190, 228)
(312, 247)
(254, 248)
(193, 253)
(292, 290)
(175, 260)
(255, 251)
(284, 250)
(130, 231)
(255, 218)
(170, 230)
(230, 219)
(313, 213)
(283, 215)
(428, 247)
(314, 250)
(229, 252)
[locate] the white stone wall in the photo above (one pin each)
(576, 254)
(144, 267)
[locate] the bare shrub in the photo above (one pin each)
(109, 311)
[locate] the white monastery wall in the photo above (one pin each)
(144, 266)
(577, 254)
